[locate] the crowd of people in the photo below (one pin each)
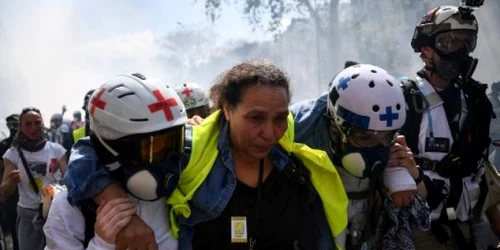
(376, 162)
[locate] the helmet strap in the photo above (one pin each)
(111, 150)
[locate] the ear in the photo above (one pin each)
(428, 52)
(227, 112)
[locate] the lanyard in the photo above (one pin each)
(253, 239)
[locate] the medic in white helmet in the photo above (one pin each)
(195, 99)
(138, 134)
(357, 124)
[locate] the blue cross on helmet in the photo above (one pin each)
(366, 105)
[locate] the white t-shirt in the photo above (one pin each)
(65, 225)
(42, 165)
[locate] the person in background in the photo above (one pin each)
(29, 165)
(9, 205)
(84, 131)
(195, 99)
(77, 121)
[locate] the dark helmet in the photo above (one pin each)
(87, 98)
(442, 20)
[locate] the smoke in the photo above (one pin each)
(48, 60)
(54, 52)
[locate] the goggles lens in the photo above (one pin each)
(151, 148)
(451, 41)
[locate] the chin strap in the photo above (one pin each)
(112, 151)
(471, 67)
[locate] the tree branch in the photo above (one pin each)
(315, 17)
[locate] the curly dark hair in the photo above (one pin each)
(230, 87)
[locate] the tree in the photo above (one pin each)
(185, 49)
(323, 13)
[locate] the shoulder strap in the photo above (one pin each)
(88, 209)
(28, 171)
(417, 104)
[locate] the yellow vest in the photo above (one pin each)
(78, 134)
(324, 176)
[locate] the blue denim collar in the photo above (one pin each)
(278, 156)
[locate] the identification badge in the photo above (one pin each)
(239, 229)
(437, 144)
(451, 213)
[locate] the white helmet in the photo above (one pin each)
(367, 97)
(192, 95)
(129, 104)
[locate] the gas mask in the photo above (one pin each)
(148, 166)
(363, 153)
(455, 64)
(365, 163)
(153, 181)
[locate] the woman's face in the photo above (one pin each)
(259, 121)
(32, 125)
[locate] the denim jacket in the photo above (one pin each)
(310, 126)
(86, 177)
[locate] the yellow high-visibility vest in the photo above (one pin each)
(324, 176)
(78, 134)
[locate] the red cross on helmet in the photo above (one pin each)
(192, 95)
(138, 114)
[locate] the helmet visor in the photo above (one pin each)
(451, 41)
(151, 148)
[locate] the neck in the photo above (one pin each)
(436, 81)
(247, 169)
(245, 161)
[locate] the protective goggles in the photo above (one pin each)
(150, 148)
(451, 41)
(363, 138)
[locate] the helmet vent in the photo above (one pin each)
(115, 87)
(390, 83)
(373, 71)
(126, 94)
(398, 106)
(139, 119)
(354, 76)
(371, 84)
(375, 108)
(140, 76)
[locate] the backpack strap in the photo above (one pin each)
(416, 105)
(89, 212)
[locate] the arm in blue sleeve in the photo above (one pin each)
(86, 176)
(186, 235)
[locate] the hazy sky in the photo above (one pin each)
(54, 51)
